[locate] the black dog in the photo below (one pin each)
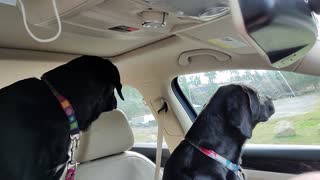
(34, 132)
(223, 126)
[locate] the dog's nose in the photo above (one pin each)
(269, 98)
(271, 108)
(269, 104)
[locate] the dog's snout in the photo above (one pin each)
(269, 106)
(269, 98)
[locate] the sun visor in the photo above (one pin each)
(283, 31)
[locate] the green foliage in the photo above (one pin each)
(301, 82)
(275, 84)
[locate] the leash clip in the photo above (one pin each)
(72, 163)
(75, 140)
(241, 174)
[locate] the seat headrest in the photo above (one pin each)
(109, 134)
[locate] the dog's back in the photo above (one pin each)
(24, 135)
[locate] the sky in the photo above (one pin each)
(222, 76)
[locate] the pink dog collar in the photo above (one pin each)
(236, 169)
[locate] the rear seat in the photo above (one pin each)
(104, 155)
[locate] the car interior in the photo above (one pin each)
(158, 45)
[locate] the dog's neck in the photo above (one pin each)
(78, 98)
(216, 136)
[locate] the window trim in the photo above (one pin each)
(183, 100)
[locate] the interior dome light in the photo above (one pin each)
(203, 10)
(153, 19)
(214, 12)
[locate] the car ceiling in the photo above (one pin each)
(150, 49)
(14, 35)
(77, 40)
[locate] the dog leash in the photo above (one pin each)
(74, 130)
(236, 169)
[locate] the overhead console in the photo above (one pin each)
(125, 18)
(283, 31)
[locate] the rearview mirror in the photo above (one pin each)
(283, 31)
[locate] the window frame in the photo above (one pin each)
(183, 100)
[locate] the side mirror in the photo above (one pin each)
(283, 31)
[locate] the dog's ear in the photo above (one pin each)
(118, 88)
(117, 82)
(239, 111)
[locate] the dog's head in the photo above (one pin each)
(88, 82)
(243, 108)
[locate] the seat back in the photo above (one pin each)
(103, 152)
(110, 134)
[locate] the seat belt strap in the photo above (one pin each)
(162, 112)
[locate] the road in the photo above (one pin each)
(288, 107)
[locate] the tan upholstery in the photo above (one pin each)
(108, 135)
(125, 166)
(103, 152)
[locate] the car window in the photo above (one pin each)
(141, 120)
(296, 98)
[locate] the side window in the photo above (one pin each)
(140, 117)
(296, 98)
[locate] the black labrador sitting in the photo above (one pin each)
(221, 129)
(34, 131)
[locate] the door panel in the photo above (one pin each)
(281, 158)
(262, 175)
(261, 159)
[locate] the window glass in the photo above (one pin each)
(296, 98)
(141, 120)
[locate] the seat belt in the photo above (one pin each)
(161, 112)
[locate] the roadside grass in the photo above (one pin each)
(306, 126)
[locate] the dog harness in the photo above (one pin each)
(236, 169)
(74, 130)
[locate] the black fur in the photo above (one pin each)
(34, 132)
(224, 125)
